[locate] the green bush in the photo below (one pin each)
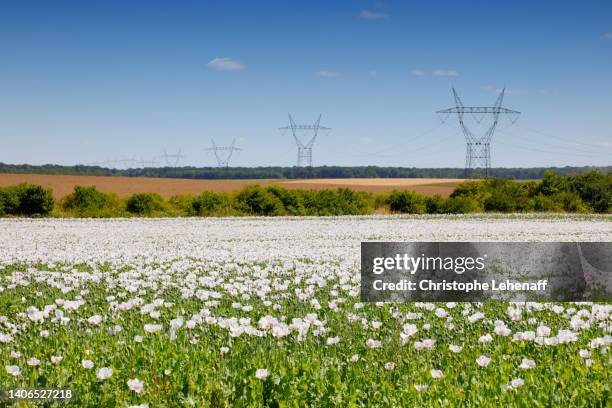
(407, 202)
(210, 203)
(595, 190)
(342, 201)
(256, 200)
(87, 201)
(36, 200)
(145, 203)
(499, 202)
(10, 198)
(542, 203)
(552, 184)
(459, 205)
(182, 204)
(474, 189)
(85, 198)
(292, 200)
(434, 205)
(27, 199)
(571, 202)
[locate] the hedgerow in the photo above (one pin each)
(582, 193)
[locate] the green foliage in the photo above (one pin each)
(145, 203)
(182, 204)
(90, 202)
(571, 202)
(552, 184)
(542, 203)
(500, 202)
(595, 190)
(342, 201)
(210, 203)
(459, 205)
(473, 189)
(407, 202)
(85, 198)
(27, 199)
(258, 201)
(435, 204)
(581, 193)
(9, 197)
(292, 201)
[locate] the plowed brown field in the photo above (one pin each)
(167, 187)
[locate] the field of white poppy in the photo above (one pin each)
(266, 312)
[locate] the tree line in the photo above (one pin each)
(214, 173)
(588, 192)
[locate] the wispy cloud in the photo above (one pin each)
(509, 91)
(327, 74)
(372, 15)
(417, 72)
(225, 64)
(445, 72)
(365, 139)
(373, 72)
(607, 36)
(607, 144)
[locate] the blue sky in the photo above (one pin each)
(84, 82)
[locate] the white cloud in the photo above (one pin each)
(512, 91)
(327, 74)
(607, 36)
(225, 64)
(417, 72)
(372, 15)
(509, 91)
(373, 73)
(365, 139)
(445, 72)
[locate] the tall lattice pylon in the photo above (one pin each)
(304, 157)
(478, 150)
(223, 159)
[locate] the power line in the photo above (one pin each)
(545, 151)
(416, 149)
(554, 136)
(573, 149)
(395, 146)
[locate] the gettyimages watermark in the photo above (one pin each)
(477, 271)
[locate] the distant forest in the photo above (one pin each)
(212, 173)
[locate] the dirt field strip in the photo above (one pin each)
(167, 187)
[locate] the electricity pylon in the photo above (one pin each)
(478, 152)
(223, 159)
(172, 160)
(304, 158)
